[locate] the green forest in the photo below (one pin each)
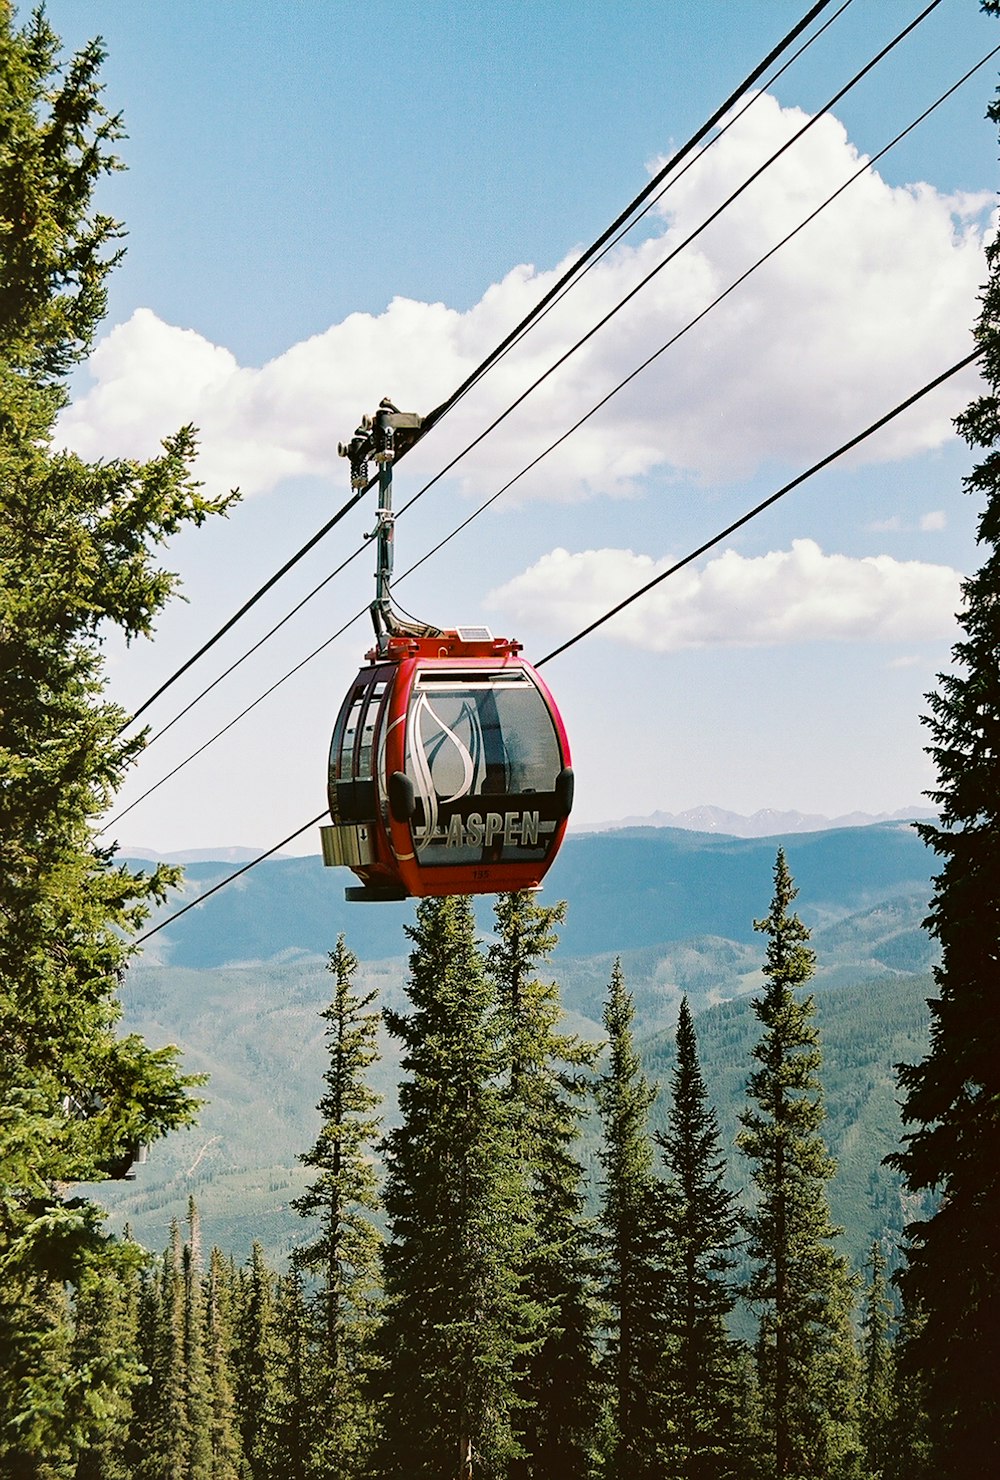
(522, 1277)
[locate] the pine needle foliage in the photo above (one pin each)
(342, 1256)
(455, 1321)
(952, 1097)
(878, 1393)
(696, 1228)
(807, 1362)
(630, 1255)
(547, 1087)
(77, 545)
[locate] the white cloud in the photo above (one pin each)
(869, 302)
(785, 596)
(930, 523)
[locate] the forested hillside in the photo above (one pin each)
(627, 889)
(255, 1028)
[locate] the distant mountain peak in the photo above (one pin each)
(766, 823)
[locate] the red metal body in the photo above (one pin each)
(451, 762)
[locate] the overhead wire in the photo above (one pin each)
(669, 176)
(576, 268)
(535, 384)
(862, 169)
(753, 513)
(545, 306)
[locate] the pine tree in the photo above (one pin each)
(454, 1321)
(696, 1228)
(546, 1089)
(633, 1286)
(106, 1359)
(143, 1432)
(343, 1255)
(877, 1355)
(806, 1358)
(169, 1442)
(76, 545)
(254, 1366)
(909, 1451)
(226, 1450)
(197, 1389)
(952, 1097)
(295, 1415)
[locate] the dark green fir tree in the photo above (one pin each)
(341, 1255)
(878, 1392)
(107, 1360)
(807, 1360)
(254, 1366)
(76, 558)
(696, 1229)
(952, 1097)
(453, 1335)
(197, 1387)
(226, 1450)
(631, 1255)
(547, 1087)
(295, 1417)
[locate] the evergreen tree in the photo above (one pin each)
(633, 1284)
(254, 1367)
(454, 1324)
(806, 1357)
(343, 1255)
(696, 1228)
(877, 1396)
(295, 1417)
(168, 1449)
(197, 1389)
(227, 1456)
(546, 1087)
(106, 1358)
(76, 546)
(952, 1097)
(909, 1451)
(143, 1434)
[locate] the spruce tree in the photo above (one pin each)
(453, 1332)
(632, 1258)
(76, 556)
(253, 1359)
(877, 1405)
(342, 1255)
(227, 1454)
(197, 1388)
(106, 1359)
(546, 1086)
(295, 1415)
(168, 1454)
(696, 1228)
(952, 1097)
(807, 1361)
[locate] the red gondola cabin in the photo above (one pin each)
(449, 770)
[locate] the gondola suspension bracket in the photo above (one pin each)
(449, 765)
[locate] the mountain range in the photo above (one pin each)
(765, 823)
(239, 983)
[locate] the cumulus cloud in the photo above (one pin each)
(785, 596)
(866, 304)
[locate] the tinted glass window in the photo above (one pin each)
(483, 756)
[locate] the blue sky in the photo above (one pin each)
(327, 203)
